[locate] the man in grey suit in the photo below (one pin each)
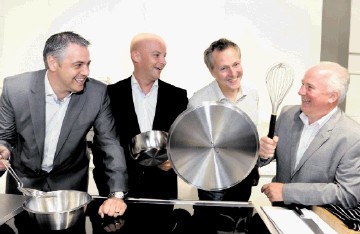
(317, 146)
(44, 119)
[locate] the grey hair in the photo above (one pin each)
(339, 79)
(218, 45)
(57, 43)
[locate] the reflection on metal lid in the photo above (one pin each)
(213, 146)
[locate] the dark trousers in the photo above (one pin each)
(226, 218)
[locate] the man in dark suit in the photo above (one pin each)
(140, 103)
(45, 116)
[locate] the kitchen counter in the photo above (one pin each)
(140, 217)
(10, 205)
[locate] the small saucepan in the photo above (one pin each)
(149, 148)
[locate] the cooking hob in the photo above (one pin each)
(140, 217)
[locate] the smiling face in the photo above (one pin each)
(69, 73)
(317, 98)
(149, 55)
(227, 69)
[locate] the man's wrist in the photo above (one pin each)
(120, 195)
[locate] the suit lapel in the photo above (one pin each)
(160, 105)
(298, 126)
(75, 106)
(129, 103)
(37, 108)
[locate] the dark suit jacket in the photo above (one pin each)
(150, 182)
(22, 128)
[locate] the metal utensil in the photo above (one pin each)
(149, 148)
(26, 191)
(279, 79)
(182, 202)
(60, 211)
(308, 221)
(213, 146)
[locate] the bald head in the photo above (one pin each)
(140, 40)
(148, 54)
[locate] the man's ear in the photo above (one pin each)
(52, 62)
(135, 56)
(334, 96)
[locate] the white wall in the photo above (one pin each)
(267, 32)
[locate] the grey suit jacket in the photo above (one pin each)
(329, 171)
(22, 129)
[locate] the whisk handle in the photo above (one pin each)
(272, 126)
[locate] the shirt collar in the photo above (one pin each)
(321, 121)
(242, 92)
(49, 90)
(135, 83)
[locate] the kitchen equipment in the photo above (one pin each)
(60, 211)
(132, 220)
(213, 146)
(153, 201)
(279, 79)
(25, 191)
(308, 221)
(149, 148)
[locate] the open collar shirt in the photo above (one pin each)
(247, 98)
(55, 113)
(309, 132)
(145, 104)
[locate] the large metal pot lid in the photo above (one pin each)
(213, 146)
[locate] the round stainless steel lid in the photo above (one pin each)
(213, 146)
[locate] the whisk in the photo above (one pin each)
(279, 79)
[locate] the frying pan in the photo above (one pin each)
(213, 146)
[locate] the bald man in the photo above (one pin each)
(140, 103)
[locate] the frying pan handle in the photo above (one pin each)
(272, 126)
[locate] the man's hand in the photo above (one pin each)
(165, 166)
(112, 207)
(267, 147)
(274, 191)
(4, 156)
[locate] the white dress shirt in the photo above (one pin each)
(145, 105)
(309, 132)
(55, 113)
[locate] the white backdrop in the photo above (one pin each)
(266, 31)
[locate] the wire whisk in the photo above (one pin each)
(279, 79)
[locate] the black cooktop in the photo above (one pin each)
(150, 218)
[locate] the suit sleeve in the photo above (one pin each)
(7, 119)
(108, 154)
